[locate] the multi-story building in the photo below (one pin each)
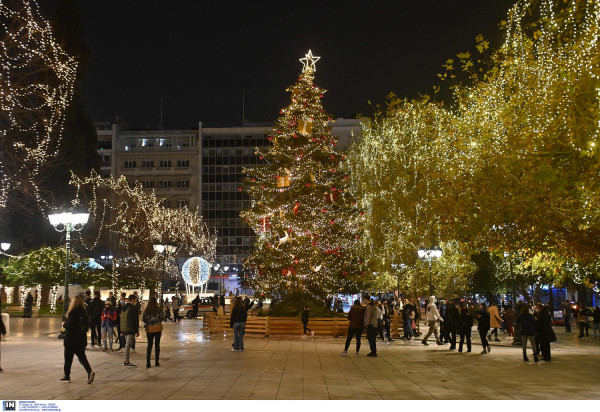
(200, 169)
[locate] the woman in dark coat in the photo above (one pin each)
(76, 338)
(544, 332)
(466, 324)
(483, 326)
(237, 322)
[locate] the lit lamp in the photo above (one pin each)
(163, 249)
(429, 255)
(67, 222)
(5, 246)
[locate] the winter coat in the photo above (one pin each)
(509, 316)
(75, 338)
(130, 320)
(370, 315)
(154, 319)
(305, 313)
(466, 322)
(495, 319)
(356, 316)
(483, 320)
(238, 315)
(407, 310)
(109, 317)
(543, 328)
(452, 320)
(432, 313)
(527, 322)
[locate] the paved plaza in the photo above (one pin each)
(197, 366)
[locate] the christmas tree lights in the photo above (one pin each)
(307, 220)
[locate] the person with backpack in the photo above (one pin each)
(465, 324)
(108, 319)
(153, 319)
(76, 327)
(94, 310)
(130, 321)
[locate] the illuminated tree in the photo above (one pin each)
(133, 219)
(302, 210)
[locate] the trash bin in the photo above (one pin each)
(5, 320)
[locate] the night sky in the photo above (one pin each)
(198, 55)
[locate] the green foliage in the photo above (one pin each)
(293, 304)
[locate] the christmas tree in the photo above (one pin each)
(307, 221)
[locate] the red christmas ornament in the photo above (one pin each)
(358, 237)
(345, 273)
(260, 157)
(239, 189)
(321, 96)
(307, 184)
(333, 189)
(343, 157)
(294, 135)
(362, 213)
(324, 210)
(270, 137)
(353, 203)
(346, 178)
(314, 243)
(331, 222)
(262, 186)
(332, 170)
(296, 261)
(314, 139)
(278, 131)
(333, 156)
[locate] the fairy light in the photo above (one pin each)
(37, 78)
(53, 293)
(306, 218)
(38, 301)
(511, 160)
(9, 294)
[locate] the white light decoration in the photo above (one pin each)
(9, 294)
(38, 301)
(309, 62)
(37, 78)
(195, 273)
(53, 293)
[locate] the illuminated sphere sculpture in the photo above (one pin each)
(196, 271)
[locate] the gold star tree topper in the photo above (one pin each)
(309, 61)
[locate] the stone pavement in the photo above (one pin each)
(197, 366)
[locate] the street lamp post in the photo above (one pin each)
(429, 255)
(163, 249)
(67, 222)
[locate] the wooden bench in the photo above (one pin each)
(18, 310)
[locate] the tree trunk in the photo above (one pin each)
(45, 293)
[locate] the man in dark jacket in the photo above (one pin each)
(408, 315)
(371, 324)
(356, 316)
(94, 310)
(452, 323)
(130, 321)
(195, 304)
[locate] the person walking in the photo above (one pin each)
(582, 321)
(509, 318)
(305, 314)
(28, 309)
(452, 324)
(195, 304)
(130, 326)
(94, 310)
(2, 336)
(408, 316)
(120, 307)
(356, 316)
(483, 326)
(465, 326)
(528, 327)
(566, 307)
(596, 321)
(237, 321)
(544, 332)
(175, 307)
(168, 310)
(431, 317)
(76, 327)
(153, 319)
(370, 322)
(108, 319)
(495, 321)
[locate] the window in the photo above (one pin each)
(183, 183)
(165, 163)
(182, 203)
(185, 145)
(183, 163)
(164, 183)
(147, 184)
(129, 164)
(147, 163)
(167, 204)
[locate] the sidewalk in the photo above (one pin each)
(196, 366)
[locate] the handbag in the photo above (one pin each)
(157, 327)
(413, 324)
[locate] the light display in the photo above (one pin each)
(510, 164)
(53, 293)
(36, 85)
(307, 220)
(9, 294)
(195, 272)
